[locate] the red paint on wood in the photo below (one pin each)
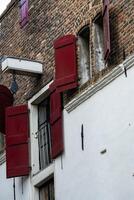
(6, 99)
(17, 134)
(66, 63)
(56, 123)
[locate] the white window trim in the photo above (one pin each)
(42, 176)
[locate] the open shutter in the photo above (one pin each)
(56, 124)
(106, 29)
(6, 99)
(17, 157)
(66, 63)
(23, 12)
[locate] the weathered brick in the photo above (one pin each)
(49, 19)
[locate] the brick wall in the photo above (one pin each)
(49, 19)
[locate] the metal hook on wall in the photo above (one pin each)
(14, 85)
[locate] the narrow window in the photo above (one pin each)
(46, 192)
(44, 134)
(99, 47)
(83, 41)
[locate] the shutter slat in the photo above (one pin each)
(17, 134)
(66, 63)
(106, 29)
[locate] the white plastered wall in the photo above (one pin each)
(22, 187)
(108, 119)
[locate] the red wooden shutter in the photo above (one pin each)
(23, 12)
(66, 63)
(106, 28)
(6, 99)
(17, 156)
(52, 87)
(56, 124)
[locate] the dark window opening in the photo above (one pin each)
(84, 61)
(46, 192)
(44, 140)
(99, 44)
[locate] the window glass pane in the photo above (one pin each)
(44, 134)
(43, 112)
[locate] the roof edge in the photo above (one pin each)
(8, 8)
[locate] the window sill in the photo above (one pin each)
(91, 90)
(43, 175)
(2, 158)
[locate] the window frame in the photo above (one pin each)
(38, 177)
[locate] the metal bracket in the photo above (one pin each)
(36, 135)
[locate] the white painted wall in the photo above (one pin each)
(6, 186)
(108, 119)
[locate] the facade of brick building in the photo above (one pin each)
(95, 103)
(50, 20)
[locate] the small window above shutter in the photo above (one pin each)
(17, 130)
(106, 29)
(66, 63)
(56, 124)
(23, 12)
(6, 99)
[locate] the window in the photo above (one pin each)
(23, 12)
(84, 62)
(44, 134)
(46, 192)
(99, 44)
